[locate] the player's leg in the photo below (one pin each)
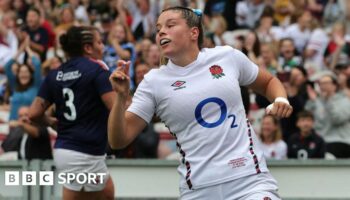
(80, 195)
(108, 191)
(98, 187)
(106, 194)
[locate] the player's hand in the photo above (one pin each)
(120, 79)
(280, 109)
(52, 121)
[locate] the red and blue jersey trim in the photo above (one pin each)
(251, 149)
(100, 63)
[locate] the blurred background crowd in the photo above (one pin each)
(305, 43)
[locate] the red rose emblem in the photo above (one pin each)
(216, 71)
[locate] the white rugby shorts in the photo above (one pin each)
(69, 161)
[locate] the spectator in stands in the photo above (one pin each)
(47, 24)
(271, 137)
(209, 41)
(66, 19)
(300, 32)
(119, 47)
(255, 10)
(5, 5)
(289, 57)
(51, 64)
(39, 36)
(343, 76)
(316, 7)
(153, 56)
(332, 13)
(24, 80)
(306, 143)
(225, 8)
(56, 50)
(315, 48)
(21, 8)
(141, 70)
(297, 96)
(283, 12)
(49, 11)
(218, 27)
(338, 49)
(251, 46)
(8, 38)
(35, 140)
(80, 11)
(332, 116)
(144, 16)
(142, 48)
(266, 30)
(268, 58)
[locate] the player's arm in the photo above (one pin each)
(123, 126)
(108, 99)
(270, 87)
(37, 112)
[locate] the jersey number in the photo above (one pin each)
(223, 109)
(69, 95)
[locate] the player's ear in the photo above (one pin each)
(194, 33)
(87, 48)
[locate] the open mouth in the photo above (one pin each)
(164, 41)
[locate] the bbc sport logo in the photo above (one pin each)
(47, 178)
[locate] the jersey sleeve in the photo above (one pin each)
(45, 92)
(143, 103)
(247, 70)
(102, 83)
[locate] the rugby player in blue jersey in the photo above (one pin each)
(83, 96)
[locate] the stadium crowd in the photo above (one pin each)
(304, 43)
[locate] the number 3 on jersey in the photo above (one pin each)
(223, 108)
(69, 96)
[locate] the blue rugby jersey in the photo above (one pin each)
(76, 88)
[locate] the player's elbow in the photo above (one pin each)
(33, 116)
(115, 143)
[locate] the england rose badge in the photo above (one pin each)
(216, 71)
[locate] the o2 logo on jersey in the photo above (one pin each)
(223, 113)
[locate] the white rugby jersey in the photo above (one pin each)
(201, 105)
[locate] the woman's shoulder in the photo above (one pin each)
(155, 72)
(88, 64)
(224, 51)
(219, 49)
